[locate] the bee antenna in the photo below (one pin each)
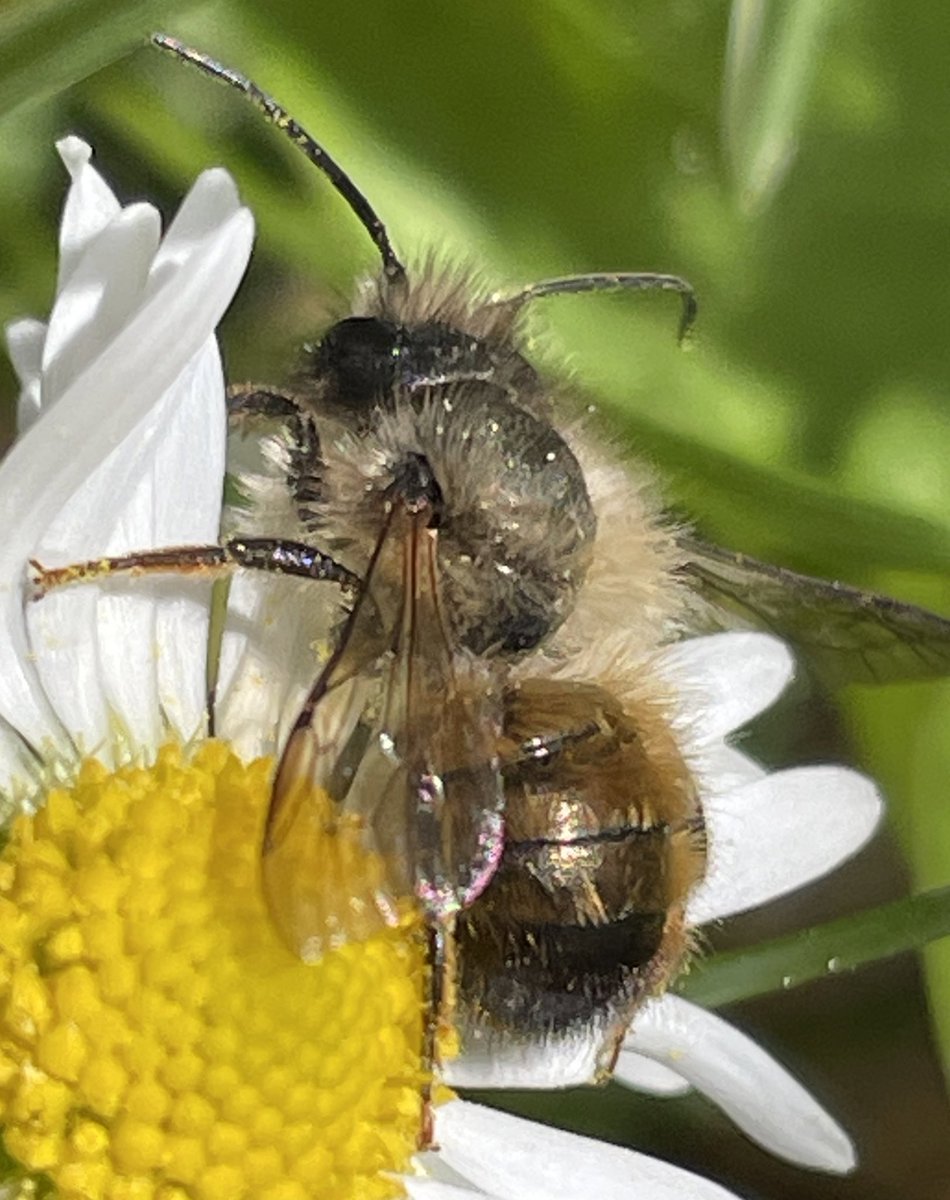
(393, 269)
(638, 281)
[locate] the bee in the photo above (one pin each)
(485, 722)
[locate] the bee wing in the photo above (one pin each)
(388, 797)
(849, 635)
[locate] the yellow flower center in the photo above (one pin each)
(156, 1037)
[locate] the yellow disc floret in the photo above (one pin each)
(156, 1037)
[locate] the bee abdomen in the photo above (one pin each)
(584, 916)
(552, 976)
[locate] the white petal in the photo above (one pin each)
(29, 405)
(90, 205)
(646, 1075)
(435, 1189)
(258, 653)
(722, 768)
(190, 487)
(17, 761)
(96, 413)
(780, 833)
(497, 1062)
(94, 646)
(25, 339)
(727, 678)
(514, 1159)
(145, 645)
(763, 1099)
(211, 201)
(105, 286)
(268, 663)
(153, 639)
(65, 653)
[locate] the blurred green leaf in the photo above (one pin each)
(48, 46)
(771, 60)
(909, 742)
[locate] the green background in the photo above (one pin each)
(794, 163)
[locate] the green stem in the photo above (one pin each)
(841, 945)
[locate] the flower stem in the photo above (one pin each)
(840, 945)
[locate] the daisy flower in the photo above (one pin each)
(156, 1038)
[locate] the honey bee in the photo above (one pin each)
(485, 721)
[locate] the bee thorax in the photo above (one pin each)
(515, 521)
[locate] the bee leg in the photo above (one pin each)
(438, 1026)
(435, 954)
(250, 400)
(426, 1139)
(253, 400)
(263, 554)
(276, 555)
(282, 557)
(610, 1052)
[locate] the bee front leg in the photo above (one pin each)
(275, 555)
(251, 400)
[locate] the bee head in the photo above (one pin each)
(362, 362)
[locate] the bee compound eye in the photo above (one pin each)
(357, 360)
